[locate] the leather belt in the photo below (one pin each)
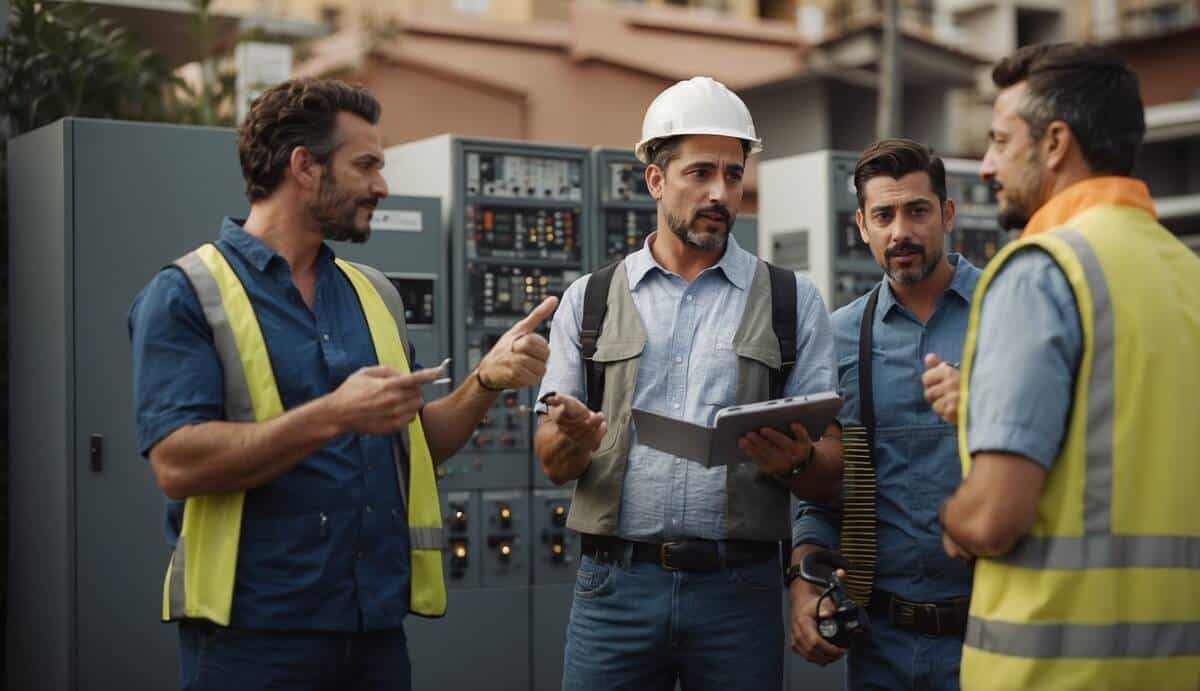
(692, 554)
(933, 619)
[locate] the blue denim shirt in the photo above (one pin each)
(324, 546)
(688, 370)
(916, 452)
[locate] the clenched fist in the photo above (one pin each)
(941, 388)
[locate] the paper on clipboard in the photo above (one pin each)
(717, 445)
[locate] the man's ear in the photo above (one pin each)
(304, 168)
(1057, 142)
(948, 210)
(861, 221)
(655, 179)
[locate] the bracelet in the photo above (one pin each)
(479, 378)
(802, 466)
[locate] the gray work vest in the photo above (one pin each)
(757, 506)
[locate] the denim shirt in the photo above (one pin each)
(916, 452)
(688, 370)
(325, 545)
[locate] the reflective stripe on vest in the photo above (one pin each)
(1092, 599)
(200, 577)
(428, 589)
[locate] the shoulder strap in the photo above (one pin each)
(866, 395)
(595, 305)
(783, 322)
(858, 531)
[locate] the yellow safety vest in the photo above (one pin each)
(1104, 593)
(200, 577)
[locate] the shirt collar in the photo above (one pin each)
(966, 275)
(255, 251)
(1085, 194)
(737, 266)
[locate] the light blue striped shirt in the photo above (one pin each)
(688, 370)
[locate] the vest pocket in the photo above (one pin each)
(612, 435)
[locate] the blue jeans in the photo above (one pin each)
(894, 659)
(214, 658)
(635, 626)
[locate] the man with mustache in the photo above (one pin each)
(915, 595)
(1079, 445)
(276, 404)
(680, 576)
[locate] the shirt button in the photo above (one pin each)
(677, 461)
(676, 406)
(689, 298)
(678, 359)
(370, 508)
(325, 336)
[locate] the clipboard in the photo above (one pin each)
(718, 445)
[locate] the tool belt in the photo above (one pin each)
(933, 619)
(692, 554)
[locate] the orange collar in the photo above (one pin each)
(1085, 194)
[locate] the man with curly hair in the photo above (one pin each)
(277, 407)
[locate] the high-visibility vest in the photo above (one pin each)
(200, 577)
(1104, 592)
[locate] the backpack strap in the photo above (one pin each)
(783, 322)
(595, 306)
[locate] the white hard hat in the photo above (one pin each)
(700, 105)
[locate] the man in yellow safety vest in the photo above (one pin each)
(275, 402)
(1079, 400)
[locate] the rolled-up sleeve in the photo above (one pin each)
(816, 524)
(564, 371)
(177, 375)
(1023, 372)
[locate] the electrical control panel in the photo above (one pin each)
(555, 547)
(524, 175)
(521, 232)
(516, 223)
(506, 557)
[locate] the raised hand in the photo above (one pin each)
(519, 358)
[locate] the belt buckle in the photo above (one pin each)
(662, 557)
(937, 620)
(904, 612)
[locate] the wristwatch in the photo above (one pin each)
(798, 469)
(790, 574)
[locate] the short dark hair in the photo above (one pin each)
(1091, 89)
(298, 112)
(896, 158)
(665, 150)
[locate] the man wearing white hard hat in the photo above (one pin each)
(680, 576)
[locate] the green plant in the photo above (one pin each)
(60, 60)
